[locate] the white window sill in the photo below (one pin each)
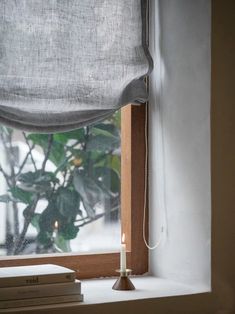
(99, 291)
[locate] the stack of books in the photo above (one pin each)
(38, 285)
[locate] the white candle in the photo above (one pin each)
(123, 254)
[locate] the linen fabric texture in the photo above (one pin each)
(68, 63)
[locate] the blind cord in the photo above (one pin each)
(146, 186)
(146, 158)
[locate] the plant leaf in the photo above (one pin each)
(67, 202)
(64, 137)
(62, 243)
(37, 181)
(21, 195)
(69, 231)
(48, 217)
(102, 143)
(89, 191)
(106, 129)
(35, 221)
(57, 154)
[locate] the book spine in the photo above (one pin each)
(37, 280)
(46, 290)
(41, 301)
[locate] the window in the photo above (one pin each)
(132, 194)
(62, 190)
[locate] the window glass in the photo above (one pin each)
(60, 192)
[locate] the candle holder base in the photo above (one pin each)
(123, 282)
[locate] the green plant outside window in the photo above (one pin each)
(85, 175)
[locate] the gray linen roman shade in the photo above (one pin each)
(68, 63)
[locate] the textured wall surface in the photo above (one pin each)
(180, 178)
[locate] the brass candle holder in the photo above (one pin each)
(123, 282)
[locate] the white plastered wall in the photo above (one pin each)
(180, 191)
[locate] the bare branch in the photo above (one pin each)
(25, 160)
(50, 141)
(64, 175)
(6, 140)
(7, 178)
(16, 220)
(28, 218)
(30, 151)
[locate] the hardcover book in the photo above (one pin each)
(41, 301)
(38, 291)
(35, 275)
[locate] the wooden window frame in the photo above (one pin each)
(132, 209)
